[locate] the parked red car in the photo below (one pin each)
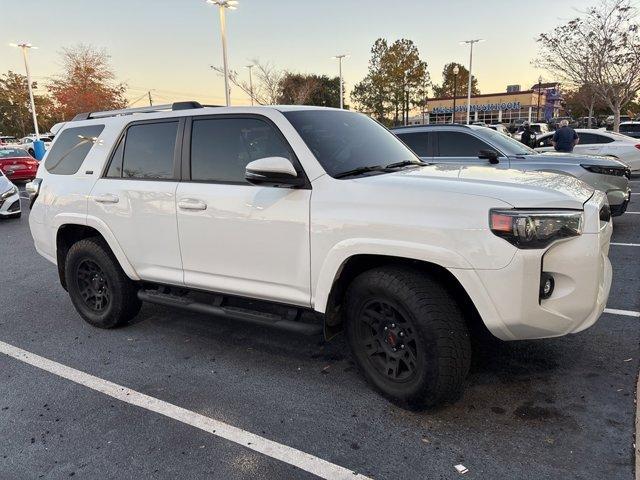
(17, 164)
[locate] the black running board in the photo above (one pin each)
(240, 314)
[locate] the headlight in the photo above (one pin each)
(535, 228)
(12, 191)
(618, 171)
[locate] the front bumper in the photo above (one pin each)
(508, 299)
(10, 206)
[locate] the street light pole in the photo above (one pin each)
(470, 43)
(25, 46)
(250, 82)
(539, 92)
(339, 58)
(456, 70)
(222, 6)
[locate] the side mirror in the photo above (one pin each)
(273, 172)
(490, 155)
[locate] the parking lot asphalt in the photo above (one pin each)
(548, 409)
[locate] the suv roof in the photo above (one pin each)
(186, 105)
(436, 126)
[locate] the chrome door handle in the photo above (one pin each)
(191, 204)
(106, 198)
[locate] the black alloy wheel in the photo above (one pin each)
(388, 337)
(93, 285)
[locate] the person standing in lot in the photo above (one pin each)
(528, 136)
(565, 138)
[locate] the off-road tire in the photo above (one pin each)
(441, 347)
(121, 304)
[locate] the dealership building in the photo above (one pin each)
(496, 107)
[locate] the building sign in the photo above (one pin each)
(553, 97)
(487, 107)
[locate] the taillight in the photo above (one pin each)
(637, 146)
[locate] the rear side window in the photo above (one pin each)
(629, 128)
(148, 151)
(416, 141)
(71, 148)
(221, 148)
(592, 138)
(458, 144)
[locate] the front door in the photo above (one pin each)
(463, 148)
(235, 237)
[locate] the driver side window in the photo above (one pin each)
(545, 142)
(459, 144)
(221, 148)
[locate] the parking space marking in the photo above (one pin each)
(627, 313)
(292, 456)
(625, 244)
(633, 213)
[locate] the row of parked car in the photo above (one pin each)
(317, 220)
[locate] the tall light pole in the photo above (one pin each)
(339, 58)
(250, 82)
(26, 46)
(539, 92)
(456, 71)
(222, 6)
(470, 43)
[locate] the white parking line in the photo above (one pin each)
(633, 213)
(625, 244)
(292, 456)
(628, 313)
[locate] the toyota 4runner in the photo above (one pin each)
(306, 219)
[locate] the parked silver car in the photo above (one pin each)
(476, 145)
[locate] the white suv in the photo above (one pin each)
(282, 215)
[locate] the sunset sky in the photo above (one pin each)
(167, 45)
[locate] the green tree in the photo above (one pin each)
(15, 108)
(462, 82)
(371, 93)
(395, 83)
(87, 83)
(303, 89)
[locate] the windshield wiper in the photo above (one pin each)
(360, 170)
(405, 163)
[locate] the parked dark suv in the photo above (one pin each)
(476, 145)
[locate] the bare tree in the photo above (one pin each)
(266, 82)
(600, 49)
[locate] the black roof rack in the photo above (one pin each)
(431, 125)
(151, 109)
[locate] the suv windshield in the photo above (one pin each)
(345, 141)
(504, 143)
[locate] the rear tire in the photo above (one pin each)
(408, 336)
(100, 291)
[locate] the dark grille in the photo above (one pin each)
(605, 213)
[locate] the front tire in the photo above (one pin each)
(100, 291)
(408, 336)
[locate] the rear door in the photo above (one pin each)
(135, 197)
(591, 143)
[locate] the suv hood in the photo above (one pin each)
(555, 158)
(515, 187)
